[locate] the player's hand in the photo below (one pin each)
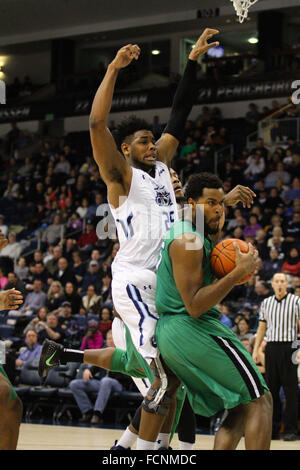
(10, 299)
(246, 262)
(3, 241)
(125, 55)
(241, 194)
(202, 45)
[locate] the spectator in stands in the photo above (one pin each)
(64, 273)
(247, 343)
(3, 226)
(88, 237)
(224, 309)
(91, 298)
(32, 350)
(26, 169)
(92, 276)
(12, 190)
(36, 299)
(255, 167)
(52, 264)
(292, 193)
(3, 279)
(74, 224)
(14, 283)
(260, 145)
(63, 166)
(261, 245)
(83, 208)
(13, 249)
(253, 226)
(78, 267)
(243, 329)
(34, 323)
(92, 209)
(38, 194)
(105, 290)
(54, 296)
(21, 269)
(238, 233)
(70, 295)
(64, 315)
(273, 201)
(93, 339)
(292, 231)
(272, 265)
(105, 386)
(252, 115)
(188, 148)
(54, 232)
(69, 246)
(262, 291)
(277, 233)
(292, 263)
(41, 273)
(280, 174)
(105, 321)
(51, 329)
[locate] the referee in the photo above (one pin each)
(279, 321)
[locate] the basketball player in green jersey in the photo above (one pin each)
(217, 371)
(11, 407)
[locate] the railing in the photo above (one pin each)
(222, 155)
(277, 131)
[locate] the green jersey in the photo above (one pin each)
(168, 299)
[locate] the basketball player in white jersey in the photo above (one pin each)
(143, 204)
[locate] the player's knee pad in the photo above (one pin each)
(156, 404)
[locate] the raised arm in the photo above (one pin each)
(188, 275)
(184, 99)
(114, 169)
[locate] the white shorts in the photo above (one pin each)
(133, 295)
(119, 338)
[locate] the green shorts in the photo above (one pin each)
(13, 392)
(130, 362)
(214, 366)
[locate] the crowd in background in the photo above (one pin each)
(49, 198)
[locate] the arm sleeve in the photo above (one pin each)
(184, 99)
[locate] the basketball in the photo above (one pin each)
(223, 258)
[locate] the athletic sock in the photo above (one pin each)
(128, 439)
(163, 440)
(186, 446)
(71, 355)
(144, 445)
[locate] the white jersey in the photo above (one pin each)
(143, 219)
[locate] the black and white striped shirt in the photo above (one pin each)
(281, 317)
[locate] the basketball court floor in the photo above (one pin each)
(55, 437)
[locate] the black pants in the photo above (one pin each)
(281, 372)
(187, 424)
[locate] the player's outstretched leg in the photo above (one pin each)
(11, 410)
(54, 354)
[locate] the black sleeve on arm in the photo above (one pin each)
(183, 101)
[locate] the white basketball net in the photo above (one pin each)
(241, 7)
